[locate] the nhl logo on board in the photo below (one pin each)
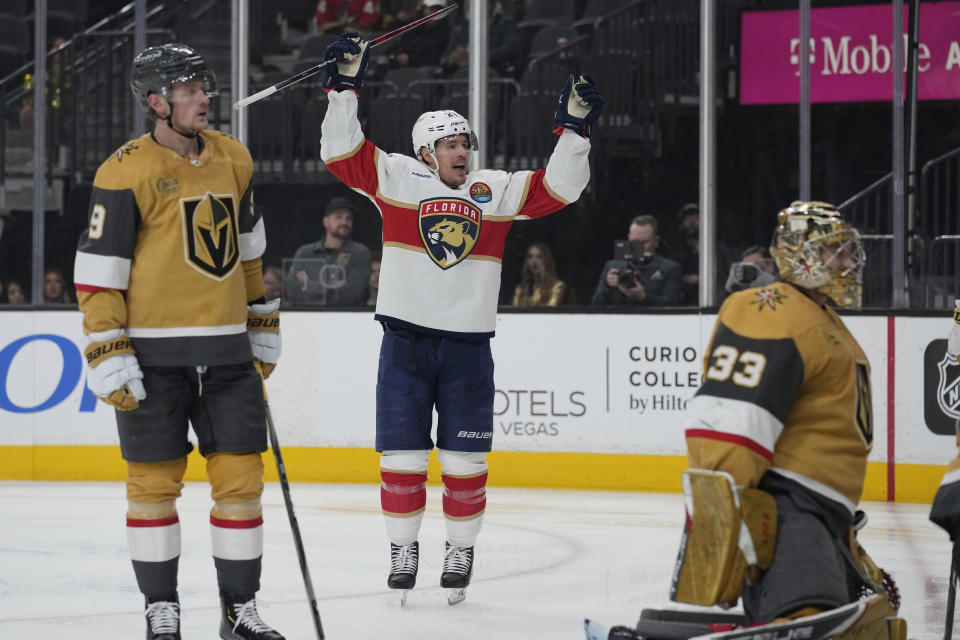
(449, 228)
(480, 192)
(948, 386)
(941, 389)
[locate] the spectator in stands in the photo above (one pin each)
(539, 285)
(273, 281)
(431, 39)
(16, 294)
(344, 15)
(373, 286)
(755, 269)
(640, 275)
(687, 252)
(504, 43)
(334, 270)
(54, 287)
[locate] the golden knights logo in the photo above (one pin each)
(211, 234)
(449, 228)
(767, 298)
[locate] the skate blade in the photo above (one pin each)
(403, 596)
(455, 596)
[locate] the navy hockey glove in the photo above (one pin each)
(579, 107)
(352, 55)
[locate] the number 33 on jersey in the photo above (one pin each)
(786, 388)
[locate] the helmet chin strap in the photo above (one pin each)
(433, 157)
(169, 121)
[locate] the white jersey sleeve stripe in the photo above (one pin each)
(950, 477)
(817, 487)
(107, 272)
(341, 136)
(568, 170)
(734, 417)
(254, 242)
(181, 332)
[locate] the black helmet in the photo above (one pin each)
(156, 69)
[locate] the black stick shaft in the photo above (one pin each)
(294, 526)
(952, 592)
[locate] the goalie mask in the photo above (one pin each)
(815, 248)
(158, 69)
(436, 125)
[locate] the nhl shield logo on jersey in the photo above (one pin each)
(480, 192)
(449, 228)
(210, 234)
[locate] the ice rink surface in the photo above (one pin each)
(545, 560)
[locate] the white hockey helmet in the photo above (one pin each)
(436, 125)
(803, 230)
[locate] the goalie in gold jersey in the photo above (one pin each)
(169, 280)
(777, 438)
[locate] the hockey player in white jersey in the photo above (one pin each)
(444, 229)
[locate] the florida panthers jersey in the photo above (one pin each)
(172, 251)
(443, 247)
(786, 390)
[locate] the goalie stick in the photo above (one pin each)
(306, 73)
(826, 624)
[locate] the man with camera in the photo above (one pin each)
(637, 274)
(755, 269)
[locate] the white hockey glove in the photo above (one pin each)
(113, 373)
(953, 340)
(263, 327)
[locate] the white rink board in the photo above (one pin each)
(565, 382)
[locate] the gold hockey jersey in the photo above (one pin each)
(787, 391)
(172, 251)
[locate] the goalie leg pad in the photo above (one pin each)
(727, 531)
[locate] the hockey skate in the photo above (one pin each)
(457, 569)
(404, 559)
(240, 620)
(163, 619)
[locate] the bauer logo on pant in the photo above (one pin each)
(449, 228)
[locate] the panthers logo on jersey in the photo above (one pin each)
(211, 234)
(449, 228)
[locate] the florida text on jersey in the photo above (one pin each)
(172, 250)
(443, 247)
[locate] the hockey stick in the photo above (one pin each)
(303, 75)
(952, 592)
(288, 501)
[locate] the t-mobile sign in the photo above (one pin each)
(851, 54)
